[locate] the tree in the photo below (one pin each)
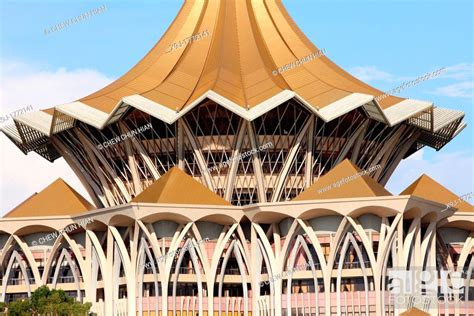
(2, 308)
(52, 302)
(39, 299)
(20, 308)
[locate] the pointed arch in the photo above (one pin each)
(106, 273)
(120, 252)
(189, 246)
(15, 256)
(74, 270)
(29, 258)
(143, 253)
(72, 245)
(300, 241)
(343, 252)
(237, 251)
(6, 249)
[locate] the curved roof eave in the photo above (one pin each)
(48, 124)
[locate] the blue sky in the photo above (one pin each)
(384, 43)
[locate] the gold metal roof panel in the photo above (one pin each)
(233, 64)
(177, 187)
(56, 199)
(427, 188)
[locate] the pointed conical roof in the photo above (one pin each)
(176, 187)
(236, 48)
(345, 180)
(242, 55)
(427, 188)
(58, 198)
(414, 312)
(247, 56)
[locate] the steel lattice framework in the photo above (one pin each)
(291, 147)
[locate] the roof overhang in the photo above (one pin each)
(33, 126)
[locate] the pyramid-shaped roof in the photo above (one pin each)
(56, 199)
(345, 180)
(427, 188)
(414, 312)
(176, 187)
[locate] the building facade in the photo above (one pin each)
(235, 170)
(200, 255)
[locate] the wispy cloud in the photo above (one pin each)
(463, 89)
(458, 80)
(372, 73)
(24, 84)
(463, 71)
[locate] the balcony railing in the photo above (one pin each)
(64, 279)
(15, 282)
(352, 265)
(229, 271)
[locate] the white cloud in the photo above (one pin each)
(372, 73)
(452, 170)
(462, 75)
(463, 89)
(463, 71)
(21, 85)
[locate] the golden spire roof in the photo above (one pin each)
(427, 188)
(234, 52)
(56, 199)
(176, 187)
(333, 185)
(246, 42)
(248, 56)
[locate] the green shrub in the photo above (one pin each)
(20, 308)
(46, 301)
